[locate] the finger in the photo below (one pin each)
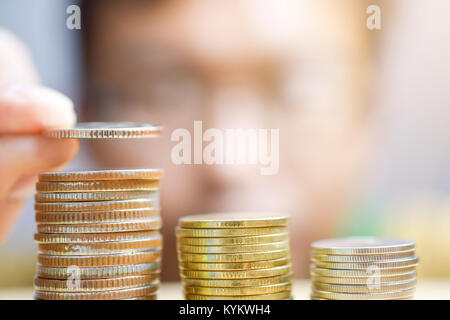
(15, 61)
(26, 109)
(21, 161)
(28, 155)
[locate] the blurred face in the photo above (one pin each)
(296, 66)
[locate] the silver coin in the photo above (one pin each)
(101, 295)
(361, 245)
(98, 272)
(106, 130)
(94, 196)
(93, 205)
(96, 175)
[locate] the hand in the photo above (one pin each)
(26, 109)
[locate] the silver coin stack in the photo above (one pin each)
(98, 235)
(363, 268)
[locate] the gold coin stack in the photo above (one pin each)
(234, 257)
(363, 268)
(98, 235)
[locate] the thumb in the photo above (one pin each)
(22, 158)
(25, 156)
(26, 108)
(25, 111)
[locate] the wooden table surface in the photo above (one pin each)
(426, 290)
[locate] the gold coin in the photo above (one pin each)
(370, 287)
(94, 205)
(360, 246)
(233, 257)
(95, 284)
(233, 220)
(99, 260)
(234, 265)
(223, 233)
(244, 291)
(400, 263)
(236, 283)
(233, 241)
(97, 186)
(102, 295)
(94, 237)
(154, 224)
(106, 130)
(284, 245)
(361, 273)
(93, 196)
(364, 258)
(367, 279)
(364, 296)
(264, 247)
(116, 216)
(122, 174)
(270, 296)
(98, 272)
(241, 274)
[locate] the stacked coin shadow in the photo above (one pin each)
(98, 235)
(363, 268)
(234, 257)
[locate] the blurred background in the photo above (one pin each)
(363, 114)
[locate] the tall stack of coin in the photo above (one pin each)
(363, 268)
(98, 231)
(235, 257)
(98, 234)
